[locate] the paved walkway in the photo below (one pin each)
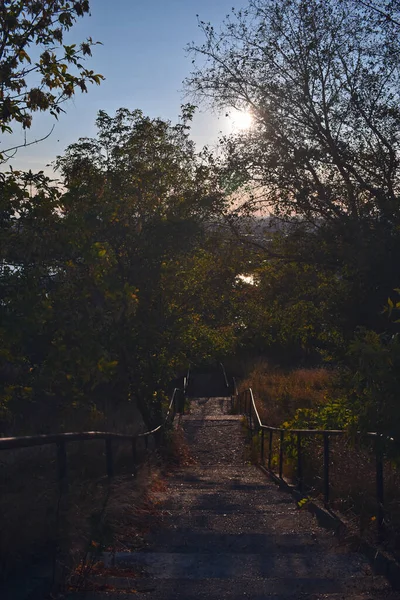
(229, 533)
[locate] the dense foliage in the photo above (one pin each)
(38, 72)
(105, 285)
(321, 80)
(113, 282)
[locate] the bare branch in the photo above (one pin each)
(24, 145)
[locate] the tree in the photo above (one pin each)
(99, 308)
(321, 80)
(141, 196)
(37, 70)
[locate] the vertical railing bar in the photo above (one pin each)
(299, 464)
(326, 468)
(250, 417)
(281, 454)
(109, 458)
(270, 449)
(379, 487)
(134, 455)
(62, 466)
(262, 447)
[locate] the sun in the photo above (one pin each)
(241, 120)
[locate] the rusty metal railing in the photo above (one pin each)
(224, 375)
(186, 381)
(245, 404)
(65, 480)
(62, 439)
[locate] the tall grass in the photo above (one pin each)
(281, 392)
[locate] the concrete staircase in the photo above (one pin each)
(229, 533)
(206, 383)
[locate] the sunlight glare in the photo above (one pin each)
(241, 120)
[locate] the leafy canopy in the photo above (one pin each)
(38, 71)
(321, 79)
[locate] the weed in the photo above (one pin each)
(280, 393)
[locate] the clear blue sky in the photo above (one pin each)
(144, 62)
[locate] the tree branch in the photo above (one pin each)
(24, 145)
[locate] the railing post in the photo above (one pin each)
(262, 447)
(326, 468)
(379, 487)
(281, 454)
(250, 418)
(62, 466)
(134, 455)
(299, 464)
(109, 458)
(159, 436)
(270, 449)
(181, 402)
(62, 513)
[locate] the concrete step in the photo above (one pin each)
(290, 588)
(200, 420)
(192, 541)
(236, 474)
(276, 521)
(225, 565)
(226, 502)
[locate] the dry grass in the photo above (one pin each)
(177, 452)
(353, 486)
(129, 512)
(118, 520)
(280, 393)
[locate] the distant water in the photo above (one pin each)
(246, 279)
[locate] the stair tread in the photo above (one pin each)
(226, 565)
(279, 589)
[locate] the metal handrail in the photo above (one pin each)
(54, 438)
(309, 431)
(61, 439)
(170, 409)
(186, 380)
(235, 389)
(224, 373)
(247, 406)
